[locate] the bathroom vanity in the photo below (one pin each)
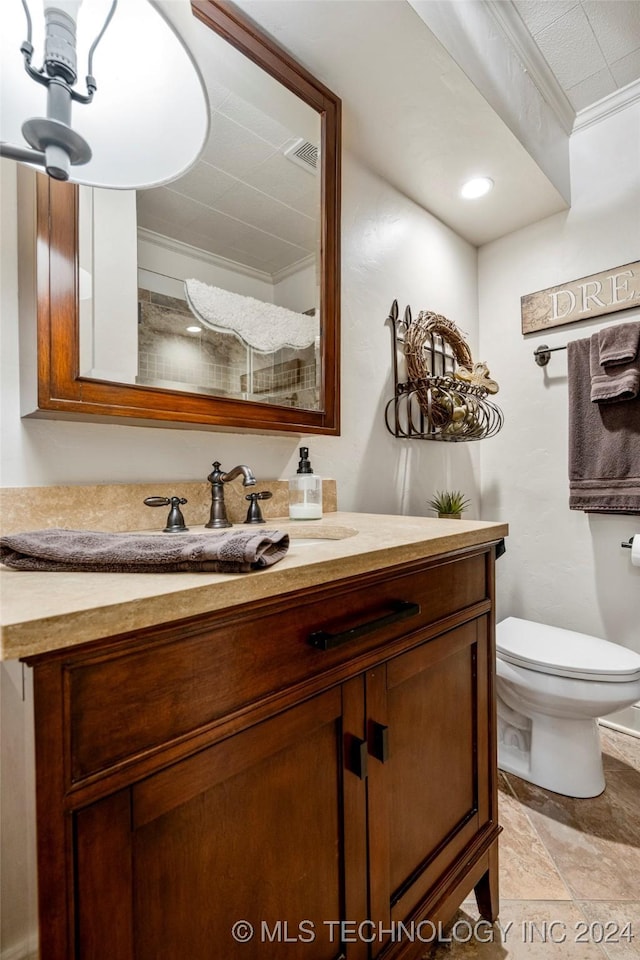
(286, 755)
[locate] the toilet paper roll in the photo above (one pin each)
(635, 551)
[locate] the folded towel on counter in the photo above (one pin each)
(604, 444)
(613, 383)
(89, 551)
(619, 344)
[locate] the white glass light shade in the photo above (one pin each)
(149, 118)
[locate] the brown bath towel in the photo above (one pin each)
(89, 551)
(615, 382)
(604, 444)
(619, 344)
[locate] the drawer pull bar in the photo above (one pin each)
(401, 610)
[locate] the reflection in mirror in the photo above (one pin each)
(248, 222)
(219, 273)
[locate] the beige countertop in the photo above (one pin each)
(42, 612)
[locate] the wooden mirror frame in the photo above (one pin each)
(64, 394)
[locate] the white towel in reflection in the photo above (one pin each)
(263, 326)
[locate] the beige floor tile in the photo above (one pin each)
(616, 925)
(619, 750)
(555, 848)
(540, 930)
(595, 844)
(527, 872)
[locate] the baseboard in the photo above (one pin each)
(25, 950)
(627, 721)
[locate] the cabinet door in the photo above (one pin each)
(429, 779)
(242, 849)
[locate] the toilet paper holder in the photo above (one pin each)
(628, 543)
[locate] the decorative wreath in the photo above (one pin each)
(452, 403)
(420, 334)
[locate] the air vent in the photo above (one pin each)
(305, 154)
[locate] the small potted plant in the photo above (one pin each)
(449, 503)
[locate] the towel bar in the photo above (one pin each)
(543, 353)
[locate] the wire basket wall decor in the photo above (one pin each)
(440, 394)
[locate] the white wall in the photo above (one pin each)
(561, 567)
(391, 249)
(164, 266)
(18, 894)
(109, 250)
(299, 290)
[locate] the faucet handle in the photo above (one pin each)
(254, 514)
(175, 520)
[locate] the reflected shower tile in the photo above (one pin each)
(616, 925)
(527, 872)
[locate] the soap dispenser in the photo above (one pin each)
(305, 491)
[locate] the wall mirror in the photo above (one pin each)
(213, 300)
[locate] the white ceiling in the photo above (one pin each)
(245, 201)
(592, 46)
(418, 110)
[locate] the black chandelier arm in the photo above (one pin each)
(98, 39)
(23, 154)
(41, 77)
(25, 7)
(38, 75)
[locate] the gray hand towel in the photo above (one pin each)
(612, 383)
(89, 551)
(619, 344)
(604, 444)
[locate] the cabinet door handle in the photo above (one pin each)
(401, 610)
(357, 756)
(379, 741)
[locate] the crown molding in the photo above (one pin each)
(212, 259)
(506, 16)
(613, 103)
(205, 256)
(293, 268)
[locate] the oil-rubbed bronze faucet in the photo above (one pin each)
(217, 478)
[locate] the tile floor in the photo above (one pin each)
(569, 872)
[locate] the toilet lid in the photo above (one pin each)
(564, 653)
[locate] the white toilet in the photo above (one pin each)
(552, 685)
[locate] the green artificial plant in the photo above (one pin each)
(449, 502)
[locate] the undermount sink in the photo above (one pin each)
(313, 534)
(305, 533)
(311, 541)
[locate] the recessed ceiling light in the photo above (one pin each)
(477, 187)
(194, 329)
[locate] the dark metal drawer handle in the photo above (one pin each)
(357, 756)
(401, 610)
(379, 741)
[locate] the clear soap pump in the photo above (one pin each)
(305, 491)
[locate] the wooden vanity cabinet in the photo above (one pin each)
(229, 770)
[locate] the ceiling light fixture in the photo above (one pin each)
(149, 120)
(194, 329)
(477, 187)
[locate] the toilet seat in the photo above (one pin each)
(564, 653)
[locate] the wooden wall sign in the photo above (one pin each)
(594, 296)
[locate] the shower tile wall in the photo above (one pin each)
(166, 352)
(217, 362)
